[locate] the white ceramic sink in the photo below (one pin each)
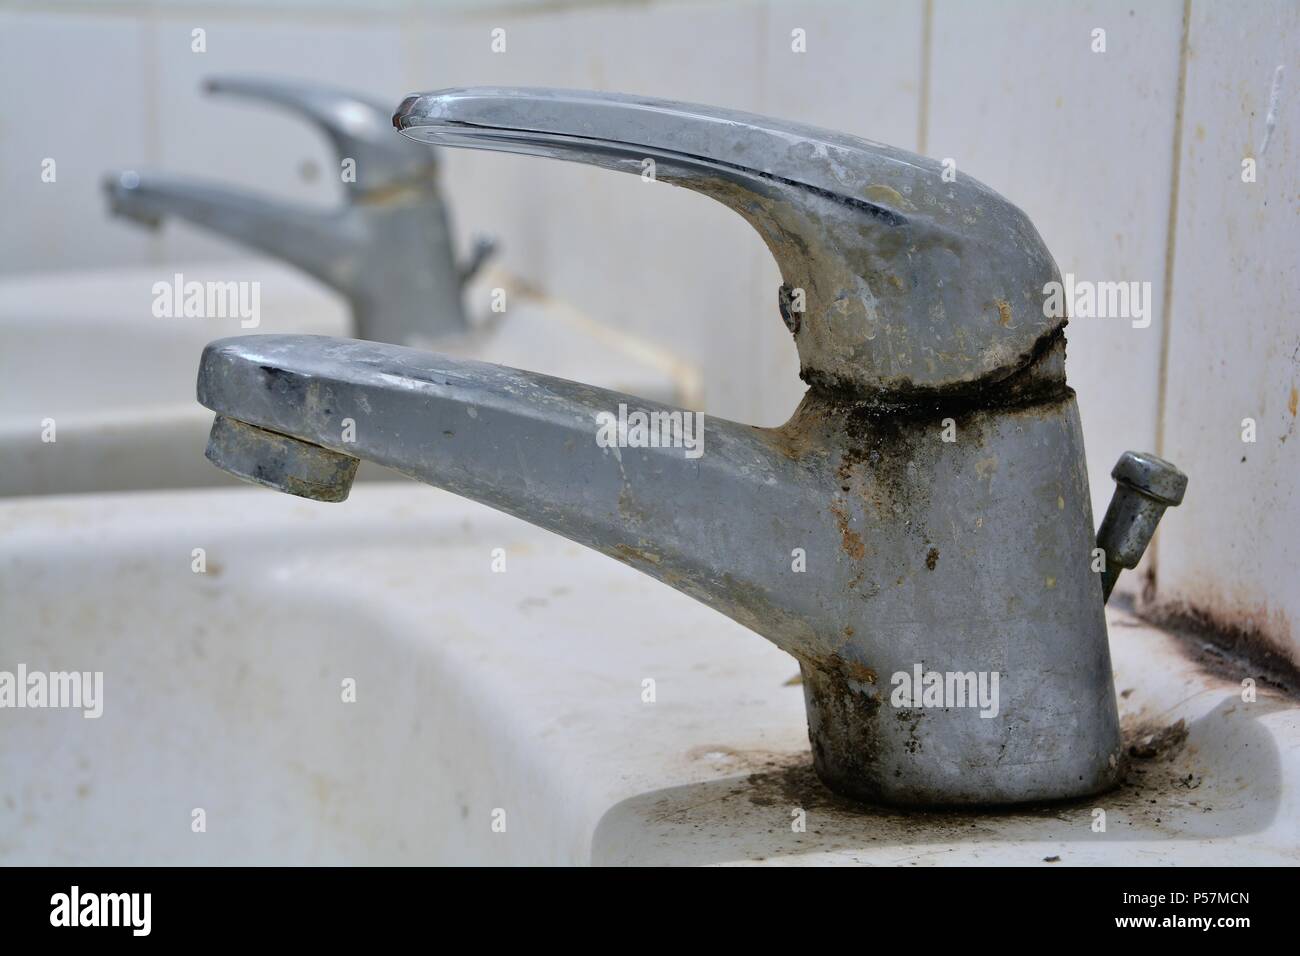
(85, 351)
(479, 691)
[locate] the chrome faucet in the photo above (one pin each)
(388, 250)
(919, 531)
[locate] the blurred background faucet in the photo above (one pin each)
(388, 249)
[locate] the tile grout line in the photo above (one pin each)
(757, 260)
(923, 106)
(1171, 243)
(153, 134)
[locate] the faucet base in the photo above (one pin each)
(866, 748)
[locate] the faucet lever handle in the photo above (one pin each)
(898, 278)
(359, 129)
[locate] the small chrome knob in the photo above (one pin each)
(1144, 487)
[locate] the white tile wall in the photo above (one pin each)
(74, 89)
(1234, 347)
(1083, 141)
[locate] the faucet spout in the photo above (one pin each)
(558, 454)
(389, 255)
(310, 239)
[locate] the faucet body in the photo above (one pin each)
(388, 249)
(924, 511)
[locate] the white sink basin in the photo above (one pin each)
(479, 691)
(85, 351)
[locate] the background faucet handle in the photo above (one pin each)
(359, 128)
(1145, 486)
(901, 274)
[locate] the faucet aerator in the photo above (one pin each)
(279, 461)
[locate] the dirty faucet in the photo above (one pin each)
(388, 249)
(925, 510)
